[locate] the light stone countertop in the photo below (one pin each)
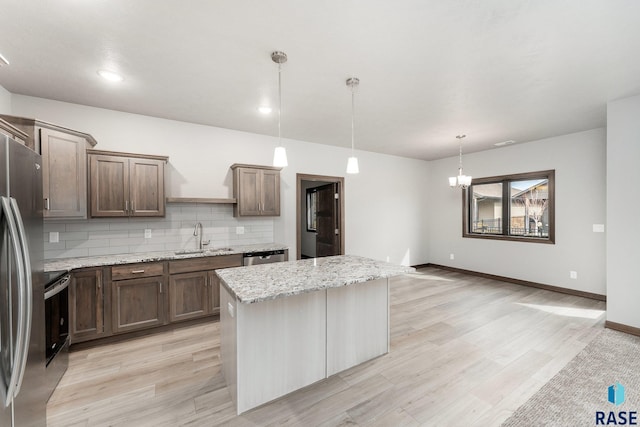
(69, 264)
(269, 281)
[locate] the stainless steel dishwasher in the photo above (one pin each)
(264, 257)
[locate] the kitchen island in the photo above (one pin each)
(287, 325)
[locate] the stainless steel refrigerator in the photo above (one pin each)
(23, 393)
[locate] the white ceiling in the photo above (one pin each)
(493, 69)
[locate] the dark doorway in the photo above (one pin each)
(320, 213)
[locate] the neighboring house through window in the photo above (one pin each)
(511, 207)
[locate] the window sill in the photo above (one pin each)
(488, 236)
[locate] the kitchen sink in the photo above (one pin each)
(202, 251)
(189, 251)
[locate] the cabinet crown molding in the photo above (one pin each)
(134, 155)
(8, 127)
(241, 165)
(28, 122)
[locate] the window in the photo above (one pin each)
(511, 207)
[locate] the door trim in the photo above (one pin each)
(299, 208)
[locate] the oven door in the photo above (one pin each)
(56, 316)
(57, 331)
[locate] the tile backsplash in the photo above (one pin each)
(106, 236)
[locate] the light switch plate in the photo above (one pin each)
(240, 230)
(598, 228)
(54, 237)
(573, 274)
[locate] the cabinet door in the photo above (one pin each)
(248, 192)
(188, 296)
(64, 172)
(86, 305)
(109, 186)
(214, 292)
(137, 303)
(147, 187)
(270, 193)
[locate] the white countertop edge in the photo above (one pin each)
(69, 264)
(382, 270)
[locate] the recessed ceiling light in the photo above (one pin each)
(110, 76)
(264, 110)
(500, 144)
(3, 60)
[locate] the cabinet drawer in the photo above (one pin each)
(133, 271)
(205, 263)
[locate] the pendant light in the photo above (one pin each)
(461, 181)
(352, 163)
(280, 154)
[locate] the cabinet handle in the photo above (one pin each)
(137, 271)
(126, 206)
(133, 207)
(47, 206)
(160, 287)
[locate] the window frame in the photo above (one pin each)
(505, 180)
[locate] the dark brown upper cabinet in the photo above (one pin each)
(125, 184)
(256, 190)
(64, 165)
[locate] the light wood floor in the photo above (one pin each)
(465, 351)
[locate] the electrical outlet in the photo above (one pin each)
(54, 237)
(451, 256)
(598, 228)
(147, 233)
(240, 230)
(573, 274)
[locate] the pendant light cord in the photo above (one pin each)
(353, 126)
(279, 102)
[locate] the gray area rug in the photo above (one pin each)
(580, 389)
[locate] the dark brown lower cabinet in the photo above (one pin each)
(87, 308)
(124, 298)
(188, 296)
(214, 292)
(138, 303)
(194, 287)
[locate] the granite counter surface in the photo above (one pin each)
(69, 264)
(269, 281)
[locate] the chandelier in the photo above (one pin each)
(461, 181)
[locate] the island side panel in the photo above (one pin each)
(228, 342)
(281, 347)
(357, 324)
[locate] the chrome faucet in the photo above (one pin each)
(197, 231)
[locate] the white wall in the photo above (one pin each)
(579, 162)
(623, 211)
(385, 203)
(5, 101)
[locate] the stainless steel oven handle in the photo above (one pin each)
(58, 287)
(16, 358)
(28, 289)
